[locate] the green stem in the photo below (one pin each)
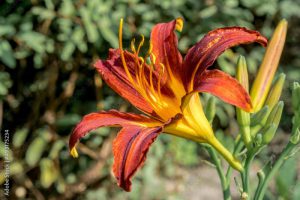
(237, 148)
(224, 182)
(245, 174)
(270, 170)
(235, 163)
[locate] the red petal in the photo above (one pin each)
(225, 87)
(130, 148)
(112, 71)
(164, 42)
(206, 51)
(109, 118)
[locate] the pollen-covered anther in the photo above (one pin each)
(141, 43)
(132, 45)
(74, 152)
(179, 24)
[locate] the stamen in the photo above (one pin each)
(151, 69)
(153, 58)
(122, 52)
(159, 79)
(149, 50)
(132, 45)
(141, 43)
(140, 68)
(74, 152)
(179, 24)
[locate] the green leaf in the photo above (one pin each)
(7, 30)
(56, 148)
(5, 83)
(20, 137)
(286, 177)
(67, 51)
(35, 151)
(91, 30)
(49, 172)
(34, 40)
(7, 54)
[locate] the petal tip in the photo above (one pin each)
(262, 40)
(74, 152)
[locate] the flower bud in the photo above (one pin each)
(242, 73)
(210, 109)
(269, 133)
(260, 117)
(243, 117)
(296, 96)
(275, 92)
(264, 78)
(295, 139)
(275, 115)
(258, 140)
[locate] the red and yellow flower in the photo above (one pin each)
(165, 87)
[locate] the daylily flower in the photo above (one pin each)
(165, 87)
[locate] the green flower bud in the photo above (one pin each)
(242, 73)
(258, 139)
(210, 109)
(275, 115)
(295, 139)
(269, 133)
(275, 92)
(296, 96)
(260, 117)
(243, 117)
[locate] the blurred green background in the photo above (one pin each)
(47, 83)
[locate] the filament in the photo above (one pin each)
(122, 52)
(159, 79)
(141, 44)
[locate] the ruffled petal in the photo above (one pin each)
(130, 148)
(109, 118)
(164, 46)
(225, 87)
(206, 51)
(112, 71)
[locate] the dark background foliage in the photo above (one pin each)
(47, 83)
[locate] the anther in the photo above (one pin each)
(141, 43)
(132, 45)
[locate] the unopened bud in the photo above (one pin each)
(210, 109)
(242, 73)
(261, 175)
(243, 117)
(275, 92)
(258, 139)
(295, 139)
(264, 78)
(269, 133)
(260, 117)
(296, 96)
(275, 115)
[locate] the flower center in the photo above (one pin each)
(148, 79)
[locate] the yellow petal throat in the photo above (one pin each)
(194, 125)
